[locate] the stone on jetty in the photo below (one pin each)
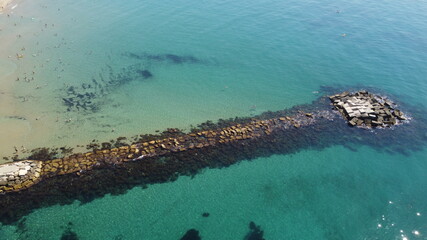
(366, 109)
(19, 175)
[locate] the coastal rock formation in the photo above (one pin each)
(19, 175)
(365, 109)
(160, 158)
(359, 109)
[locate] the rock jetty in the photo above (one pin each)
(360, 109)
(21, 175)
(18, 175)
(366, 109)
(163, 157)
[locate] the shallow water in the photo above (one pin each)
(226, 59)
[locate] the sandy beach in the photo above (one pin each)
(4, 4)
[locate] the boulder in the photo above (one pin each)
(353, 122)
(22, 172)
(3, 181)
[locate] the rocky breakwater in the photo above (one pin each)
(19, 175)
(23, 174)
(366, 109)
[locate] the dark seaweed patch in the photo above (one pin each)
(167, 58)
(69, 235)
(21, 226)
(191, 234)
(44, 153)
(145, 74)
(89, 97)
(118, 237)
(255, 232)
(17, 117)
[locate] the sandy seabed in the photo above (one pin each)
(19, 127)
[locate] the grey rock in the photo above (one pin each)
(23, 172)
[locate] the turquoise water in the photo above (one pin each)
(240, 58)
(310, 195)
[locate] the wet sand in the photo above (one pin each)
(19, 118)
(12, 127)
(4, 4)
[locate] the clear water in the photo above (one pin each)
(254, 56)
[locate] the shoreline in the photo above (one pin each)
(21, 103)
(4, 4)
(12, 125)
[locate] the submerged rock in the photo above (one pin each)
(69, 235)
(145, 74)
(191, 234)
(255, 232)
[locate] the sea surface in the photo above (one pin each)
(74, 71)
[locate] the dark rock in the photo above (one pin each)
(145, 74)
(376, 123)
(191, 234)
(255, 232)
(168, 58)
(69, 235)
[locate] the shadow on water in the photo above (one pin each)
(115, 180)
